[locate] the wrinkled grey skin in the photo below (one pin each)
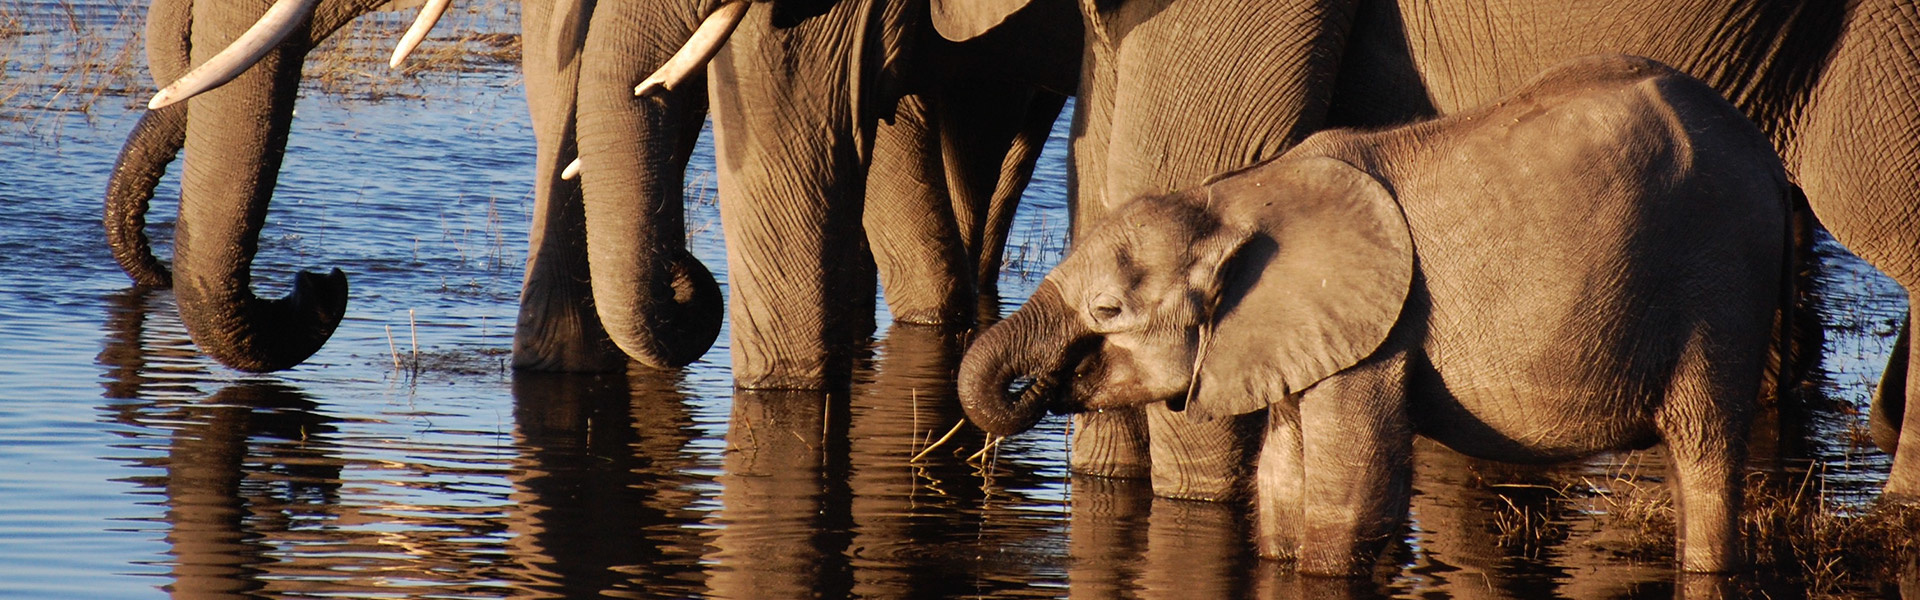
(939, 203)
(236, 135)
(1591, 264)
(798, 117)
(1166, 100)
(237, 146)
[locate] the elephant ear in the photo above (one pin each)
(1313, 291)
(962, 20)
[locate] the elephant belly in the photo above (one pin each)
(1524, 422)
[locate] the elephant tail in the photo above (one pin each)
(1797, 336)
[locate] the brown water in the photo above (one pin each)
(132, 467)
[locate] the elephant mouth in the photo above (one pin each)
(1064, 388)
(1087, 379)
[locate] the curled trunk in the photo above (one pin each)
(1031, 347)
(225, 189)
(657, 302)
(154, 143)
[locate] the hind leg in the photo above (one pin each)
(1889, 412)
(1705, 422)
(1858, 158)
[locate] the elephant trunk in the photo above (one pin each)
(657, 302)
(154, 142)
(1033, 344)
(235, 159)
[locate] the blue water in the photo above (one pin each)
(133, 467)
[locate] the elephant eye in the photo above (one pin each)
(1105, 305)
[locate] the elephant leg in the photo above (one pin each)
(1706, 490)
(1890, 398)
(1357, 451)
(558, 327)
(1110, 443)
(1016, 171)
(1903, 484)
(1197, 460)
(1277, 486)
(1858, 160)
(1705, 432)
(910, 223)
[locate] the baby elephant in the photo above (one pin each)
(1591, 264)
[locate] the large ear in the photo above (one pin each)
(1315, 289)
(962, 20)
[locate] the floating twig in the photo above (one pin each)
(391, 349)
(943, 439)
(992, 442)
(414, 333)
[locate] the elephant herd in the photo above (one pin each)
(888, 141)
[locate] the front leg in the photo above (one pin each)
(1357, 466)
(1278, 481)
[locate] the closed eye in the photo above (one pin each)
(1103, 313)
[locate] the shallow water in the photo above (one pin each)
(133, 467)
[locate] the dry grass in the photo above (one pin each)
(1788, 526)
(472, 38)
(68, 59)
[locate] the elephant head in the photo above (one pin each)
(1298, 267)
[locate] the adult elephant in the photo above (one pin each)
(1173, 91)
(841, 128)
(963, 147)
(234, 128)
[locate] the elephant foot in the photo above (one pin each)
(832, 371)
(1195, 460)
(564, 337)
(1110, 443)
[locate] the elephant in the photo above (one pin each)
(1173, 91)
(852, 141)
(950, 162)
(1593, 263)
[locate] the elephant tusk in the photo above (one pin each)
(281, 19)
(1199, 356)
(706, 42)
(572, 170)
(429, 16)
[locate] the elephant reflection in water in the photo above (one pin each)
(819, 497)
(1464, 544)
(600, 486)
(228, 478)
(605, 501)
(239, 465)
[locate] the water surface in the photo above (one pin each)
(133, 467)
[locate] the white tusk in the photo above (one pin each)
(572, 170)
(706, 42)
(429, 15)
(281, 19)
